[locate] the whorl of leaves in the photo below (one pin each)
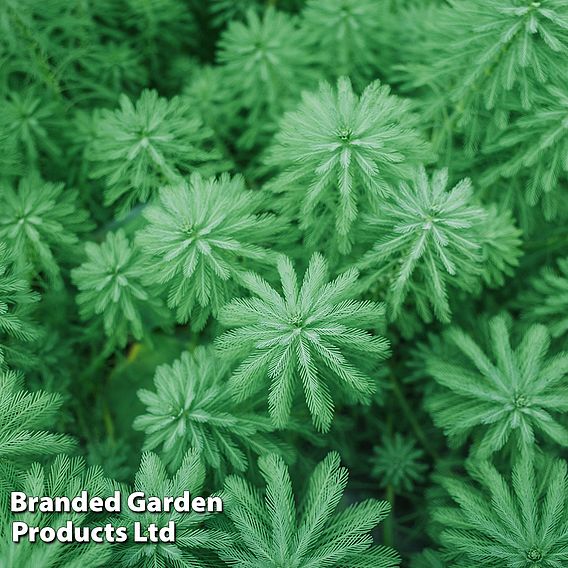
(512, 392)
(28, 118)
(344, 34)
(145, 144)
(201, 236)
(272, 528)
(398, 462)
(546, 300)
(535, 148)
(429, 240)
(338, 152)
(111, 289)
(193, 540)
(264, 61)
(481, 59)
(315, 332)
(193, 408)
(519, 521)
(41, 221)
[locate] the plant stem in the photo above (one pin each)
(411, 418)
(95, 365)
(107, 418)
(388, 529)
(560, 239)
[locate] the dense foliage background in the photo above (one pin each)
(264, 247)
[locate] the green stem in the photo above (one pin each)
(83, 427)
(108, 422)
(388, 529)
(561, 239)
(411, 418)
(95, 365)
(89, 388)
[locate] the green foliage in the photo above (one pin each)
(110, 69)
(198, 233)
(483, 58)
(145, 144)
(428, 559)
(9, 163)
(28, 119)
(151, 17)
(340, 153)
(40, 221)
(265, 62)
(536, 147)
(66, 477)
(194, 210)
(23, 417)
(345, 35)
(224, 11)
(397, 462)
(207, 94)
(193, 408)
(111, 289)
(501, 246)
(546, 301)
(16, 299)
(192, 538)
(46, 40)
(272, 529)
(429, 239)
(514, 392)
(497, 522)
(314, 332)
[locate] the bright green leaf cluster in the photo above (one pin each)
(147, 143)
(339, 153)
(273, 529)
(41, 221)
(515, 393)
(193, 408)
(111, 289)
(193, 540)
(481, 58)
(194, 210)
(519, 521)
(199, 234)
(66, 477)
(313, 333)
(429, 239)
